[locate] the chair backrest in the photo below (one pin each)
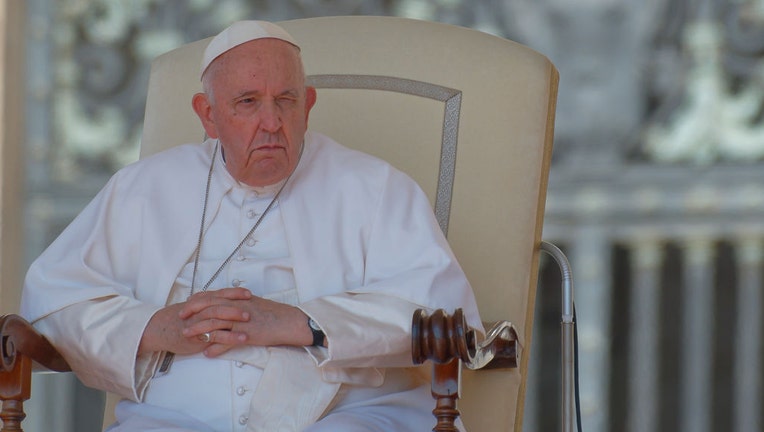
(468, 115)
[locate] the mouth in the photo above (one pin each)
(268, 147)
(265, 151)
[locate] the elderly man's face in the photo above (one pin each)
(257, 105)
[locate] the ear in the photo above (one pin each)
(310, 100)
(201, 104)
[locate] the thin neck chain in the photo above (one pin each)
(243, 240)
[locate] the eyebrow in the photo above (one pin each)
(256, 93)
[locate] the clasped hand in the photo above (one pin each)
(232, 317)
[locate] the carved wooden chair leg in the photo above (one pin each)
(21, 346)
(445, 391)
(15, 388)
(449, 343)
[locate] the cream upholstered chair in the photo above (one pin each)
(468, 115)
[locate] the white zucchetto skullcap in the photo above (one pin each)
(241, 32)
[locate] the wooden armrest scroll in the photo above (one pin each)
(441, 338)
(19, 337)
(20, 346)
(446, 340)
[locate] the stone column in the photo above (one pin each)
(644, 330)
(747, 372)
(698, 332)
(591, 260)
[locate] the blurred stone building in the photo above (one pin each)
(656, 191)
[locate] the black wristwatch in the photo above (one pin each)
(318, 334)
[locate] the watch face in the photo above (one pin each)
(313, 324)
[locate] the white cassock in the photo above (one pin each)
(351, 241)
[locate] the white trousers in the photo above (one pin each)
(352, 414)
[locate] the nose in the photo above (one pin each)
(270, 117)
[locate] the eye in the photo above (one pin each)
(246, 104)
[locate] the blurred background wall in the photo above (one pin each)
(656, 191)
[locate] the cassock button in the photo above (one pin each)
(240, 258)
(251, 213)
(239, 364)
(243, 419)
(251, 241)
(236, 283)
(241, 390)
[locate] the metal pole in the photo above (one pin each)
(568, 387)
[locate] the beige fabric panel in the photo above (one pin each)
(169, 118)
(344, 114)
(503, 151)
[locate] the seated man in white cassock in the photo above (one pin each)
(262, 280)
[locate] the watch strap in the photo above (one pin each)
(318, 334)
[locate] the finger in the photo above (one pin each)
(227, 312)
(201, 301)
(223, 341)
(190, 345)
(220, 337)
(195, 304)
(238, 293)
(231, 293)
(207, 326)
(232, 338)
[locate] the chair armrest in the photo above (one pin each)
(19, 338)
(21, 346)
(447, 340)
(441, 338)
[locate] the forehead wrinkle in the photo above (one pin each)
(244, 93)
(223, 61)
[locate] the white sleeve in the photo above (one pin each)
(363, 330)
(99, 339)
